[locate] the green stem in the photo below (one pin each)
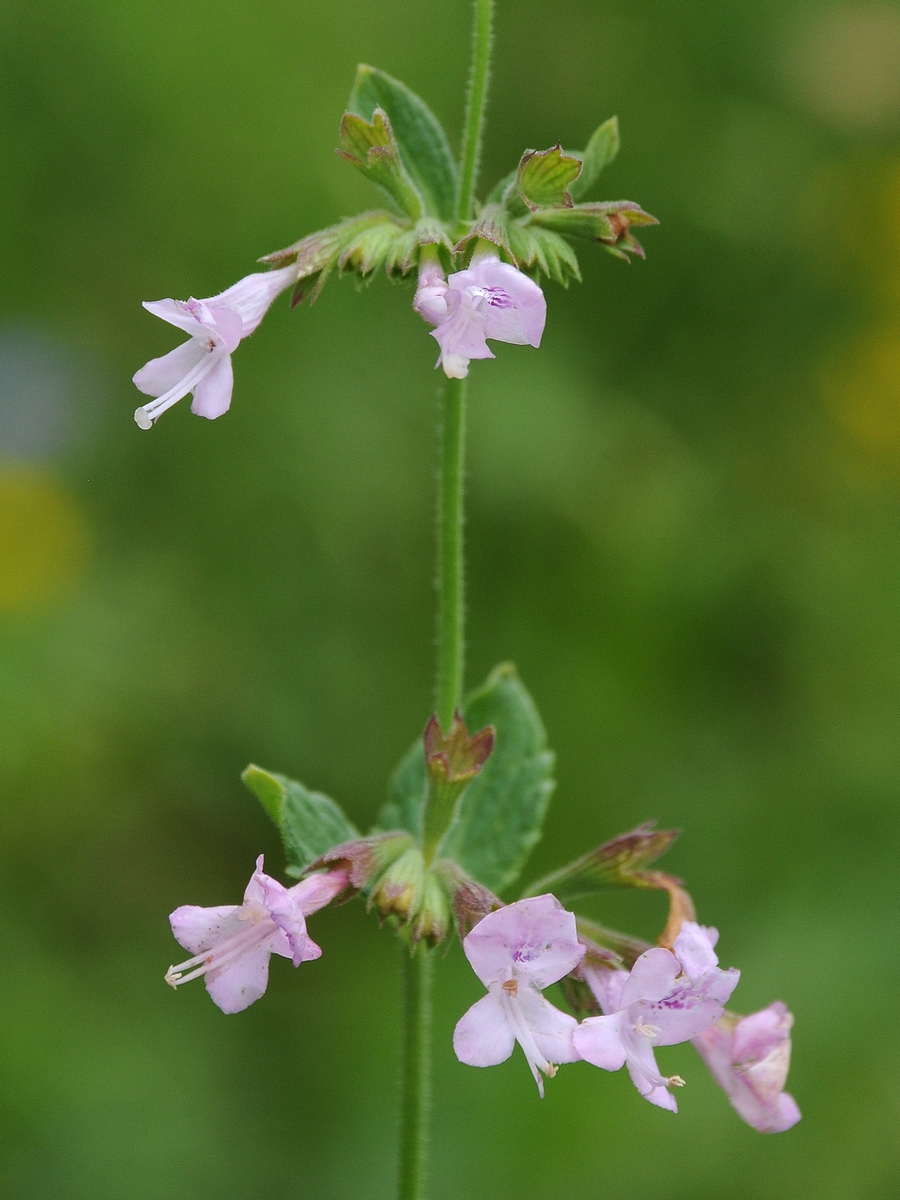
(451, 644)
(415, 1083)
(415, 1098)
(478, 86)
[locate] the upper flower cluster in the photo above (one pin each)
(478, 273)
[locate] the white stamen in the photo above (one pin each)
(148, 413)
(649, 1031)
(675, 1081)
(512, 1006)
(226, 952)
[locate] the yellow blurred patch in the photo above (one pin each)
(43, 539)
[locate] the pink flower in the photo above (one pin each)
(666, 998)
(516, 952)
(203, 364)
(749, 1058)
(231, 944)
(489, 300)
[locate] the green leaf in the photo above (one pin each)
(420, 136)
(544, 177)
(501, 814)
(407, 793)
(371, 147)
(310, 823)
(599, 153)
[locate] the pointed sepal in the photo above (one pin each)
(617, 863)
(366, 859)
(471, 901)
(609, 223)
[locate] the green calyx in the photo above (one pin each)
(393, 138)
(452, 761)
(615, 864)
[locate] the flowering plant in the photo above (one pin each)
(467, 802)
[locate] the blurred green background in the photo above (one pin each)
(683, 528)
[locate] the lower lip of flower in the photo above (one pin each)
(223, 954)
(148, 413)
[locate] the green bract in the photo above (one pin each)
(391, 136)
(500, 815)
(420, 137)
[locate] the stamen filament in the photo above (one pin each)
(224, 954)
(155, 408)
(536, 1061)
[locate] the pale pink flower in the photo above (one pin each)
(489, 300)
(516, 952)
(203, 364)
(666, 998)
(231, 944)
(749, 1059)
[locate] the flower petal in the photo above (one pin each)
(652, 976)
(160, 375)
(200, 929)
(645, 1074)
(660, 1096)
(525, 294)
(694, 948)
(534, 938)
(228, 326)
(607, 986)
(755, 1035)
(237, 985)
(182, 314)
(599, 1041)
(285, 909)
(504, 325)
(483, 1036)
(690, 1007)
(252, 296)
(551, 1029)
(787, 1114)
(212, 395)
(320, 889)
(749, 1059)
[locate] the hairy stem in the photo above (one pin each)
(478, 86)
(417, 967)
(415, 1082)
(451, 641)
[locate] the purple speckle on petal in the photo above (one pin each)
(498, 298)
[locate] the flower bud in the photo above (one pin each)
(452, 761)
(400, 889)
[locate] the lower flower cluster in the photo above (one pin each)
(517, 951)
